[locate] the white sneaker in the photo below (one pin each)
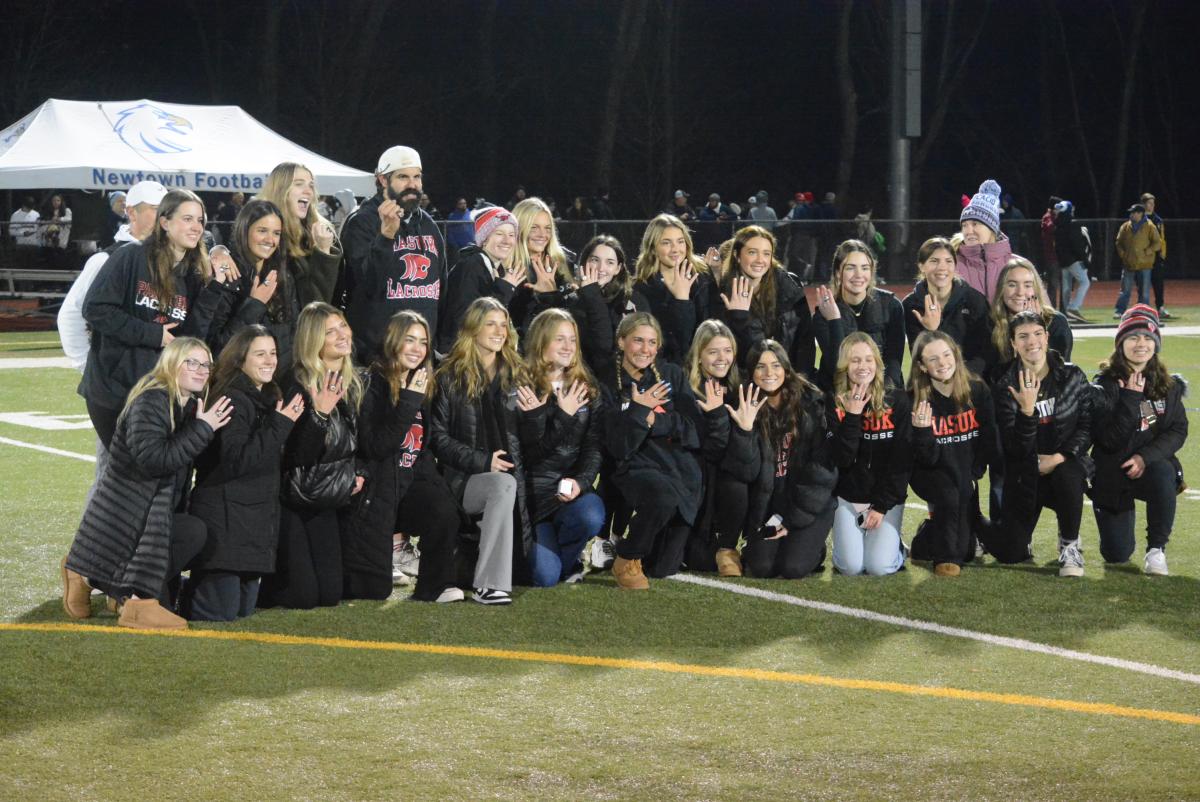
(1070, 559)
(1156, 563)
(601, 553)
(574, 578)
(450, 595)
(491, 596)
(405, 558)
(399, 578)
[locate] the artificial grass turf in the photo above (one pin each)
(112, 716)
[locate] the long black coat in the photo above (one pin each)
(882, 318)
(966, 317)
(124, 540)
(677, 318)
(793, 328)
(598, 312)
(469, 279)
(457, 439)
(237, 484)
(559, 446)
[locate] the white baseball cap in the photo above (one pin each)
(397, 157)
(150, 192)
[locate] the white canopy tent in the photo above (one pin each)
(76, 144)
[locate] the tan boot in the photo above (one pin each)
(729, 562)
(148, 614)
(77, 596)
(946, 569)
(628, 574)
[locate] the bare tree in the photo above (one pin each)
(849, 101)
(1133, 45)
(624, 51)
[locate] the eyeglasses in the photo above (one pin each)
(196, 366)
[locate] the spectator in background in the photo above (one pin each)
(56, 223)
(1049, 249)
(347, 203)
(518, 196)
(1160, 261)
(760, 211)
(680, 208)
(460, 230)
(227, 213)
(983, 250)
(601, 205)
(802, 244)
(579, 211)
(427, 206)
(24, 227)
(114, 219)
(1074, 253)
(1014, 216)
(714, 210)
(1138, 245)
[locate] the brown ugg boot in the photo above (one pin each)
(628, 574)
(148, 614)
(729, 562)
(947, 569)
(77, 596)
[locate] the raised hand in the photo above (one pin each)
(855, 399)
(543, 274)
(217, 414)
(1135, 382)
(933, 314)
(389, 219)
(713, 395)
(263, 292)
(590, 274)
(922, 415)
(419, 381)
(322, 235)
(571, 400)
(225, 270)
(750, 401)
(680, 280)
(527, 399)
(652, 396)
(293, 409)
(515, 275)
(331, 391)
(741, 290)
(1026, 396)
(827, 305)
(712, 258)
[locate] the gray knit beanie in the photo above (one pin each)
(984, 206)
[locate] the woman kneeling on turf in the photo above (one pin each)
(131, 543)
(650, 431)
(1140, 425)
(954, 437)
(1043, 412)
(872, 434)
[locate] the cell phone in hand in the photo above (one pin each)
(564, 487)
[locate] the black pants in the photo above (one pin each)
(657, 534)
(794, 556)
(1157, 486)
(1156, 282)
(1061, 490)
(188, 536)
(104, 420)
(219, 596)
(308, 564)
(429, 511)
(949, 534)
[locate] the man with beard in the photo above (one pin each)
(395, 254)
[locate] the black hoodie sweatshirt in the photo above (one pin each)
(961, 442)
(873, 454)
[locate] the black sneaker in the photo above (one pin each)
(491, 596)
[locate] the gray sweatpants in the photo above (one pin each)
(493, 494)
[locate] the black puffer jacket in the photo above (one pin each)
(882, 317)
(677, 318)
(965, 317)
(470, 278)
(598, 311)
(238, 310)
(873, 455)
(1120, 431)
(237, 483)
(670, 448)
(806, 492)
(1059, 338)
(323, 447)
(1072, 415)
(457, 439)
(792, 326)
(559, 446)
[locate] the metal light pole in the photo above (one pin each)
(905, 111)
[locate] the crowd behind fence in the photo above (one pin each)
(804, 247)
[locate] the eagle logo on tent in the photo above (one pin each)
(149, 129)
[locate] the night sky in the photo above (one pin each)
(719, 96)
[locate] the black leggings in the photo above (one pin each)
(796, 555)
(948, 535)
(429, 511)
(657, 533)
(308, 565)
(1061, 490)
(104, 420)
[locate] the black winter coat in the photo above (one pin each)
(792, 327)
(124, 540)
(1059, 339)
(873, 455)
(670, 448)
(882, 318)
(126, 322)
(237, 483)
(1069, 243)
(470, 278)
(677, 318)
(326, 441)
(1120, 431)
(1072, 414)
(559, 446)
(966, 317)
(457, 439)
(961, 442)
(598, 312)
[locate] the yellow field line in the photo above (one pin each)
(759, 675)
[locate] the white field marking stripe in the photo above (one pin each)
(47, 449)
(940, 629)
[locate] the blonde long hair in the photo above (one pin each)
(541, 333)
(161, 258)
(165, 374)
(308, 367)
(464, 368)
(920, 386)
(296, 233)
(525, 212)
(647, 261)
(388, 364)
(1000, 313)
(841, 377)
(706, 332)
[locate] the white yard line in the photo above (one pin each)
(48, 450)
(940, 629)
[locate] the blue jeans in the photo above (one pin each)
(561, 539)
(1157, 486)
(1076, 272)
(1143, 282)
(858, 551)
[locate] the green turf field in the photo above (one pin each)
(584, 692)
